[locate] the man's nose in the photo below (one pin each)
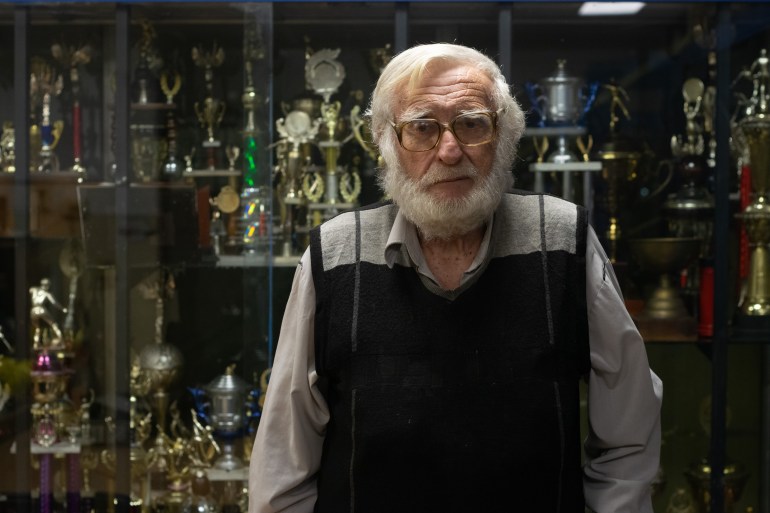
(449, 150)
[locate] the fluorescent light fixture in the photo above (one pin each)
(610, 8)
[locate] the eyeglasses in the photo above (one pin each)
(471, 129)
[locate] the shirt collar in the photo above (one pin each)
(403, 246)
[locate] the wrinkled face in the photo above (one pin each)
(452, 189)
(443, 93)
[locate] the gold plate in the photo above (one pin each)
(227, 200)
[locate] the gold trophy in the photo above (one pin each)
(160, 364)
(665, 316)
(698, 474)
(210, 115)
(297, 131)
(212, 110)
(755, 127)
(620, 161)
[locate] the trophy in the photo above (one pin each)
(665, 316)
(560, 99)
(229, 409)
(70, 58)
(755, 128)
(46, 333)
(211, 112)
(172, 168)
(149, 64)
(297, 130)
(160, 362)
(690, 210)
(698, 474)
(44, 84)
(324, 75)
(148, 152)
(620, 161)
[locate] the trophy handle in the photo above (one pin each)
(589, 97)
(537, 99)
(57, 130)
(669, 165)
(201, 404)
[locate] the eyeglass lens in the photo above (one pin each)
(423, 134)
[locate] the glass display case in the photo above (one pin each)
(161, 165)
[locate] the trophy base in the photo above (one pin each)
(752, 327)
(229, 463)
(679, 329)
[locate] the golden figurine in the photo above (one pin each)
(46, 331)
(618, 94)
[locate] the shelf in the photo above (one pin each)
(565, 168)
(553, 131)
(255, 260)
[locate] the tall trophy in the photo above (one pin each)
(70, 58)
(210, 111)
(149, 146)
(690, 211)
(256, 193)
(45, 84)
(297, 130)
(755, 127)
(620, 160)
(160, 364)
(561, 102)
(324, 74)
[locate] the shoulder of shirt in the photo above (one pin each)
(346, 219)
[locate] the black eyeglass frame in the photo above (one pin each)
(493, 115)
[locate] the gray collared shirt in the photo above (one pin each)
(622, 449)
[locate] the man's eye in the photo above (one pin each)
(420, 126)
(472, 122)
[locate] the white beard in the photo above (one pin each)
(446, 218)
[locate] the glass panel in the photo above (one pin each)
(245, 128)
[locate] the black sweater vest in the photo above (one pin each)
(468, 405)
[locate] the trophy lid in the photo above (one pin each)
(560, 76)
(227, 383)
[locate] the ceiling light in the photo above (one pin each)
(610, 8)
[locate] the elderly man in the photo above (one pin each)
(432, 347)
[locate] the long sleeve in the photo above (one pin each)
(624, 399)
(289, 441)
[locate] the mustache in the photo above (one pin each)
(439, 173)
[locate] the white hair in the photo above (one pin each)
(404, 72)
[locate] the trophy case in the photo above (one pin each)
(161, 165)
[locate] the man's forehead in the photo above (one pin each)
(453, 86)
